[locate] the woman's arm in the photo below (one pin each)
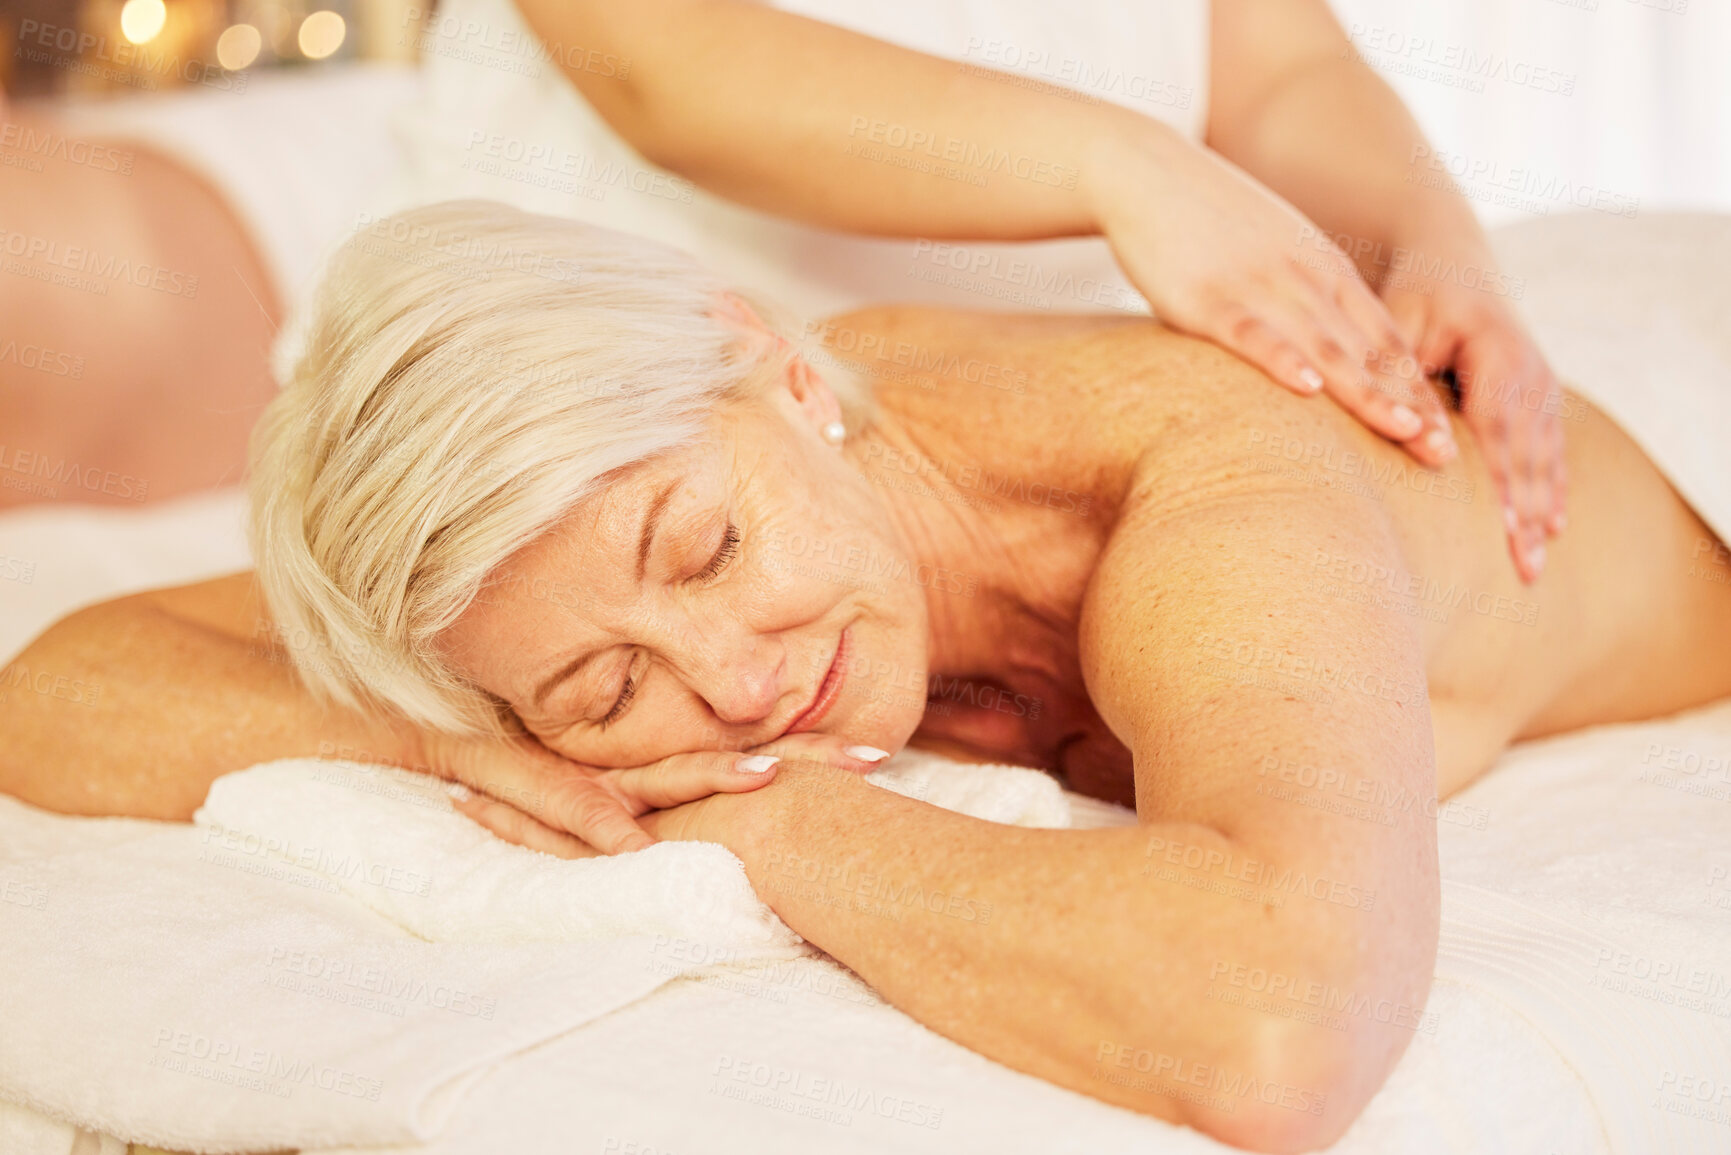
(1294, 105)
(136, 706)
(815, 122)
(178, 687)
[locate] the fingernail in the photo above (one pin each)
(866, 753)
(1536, 558)
(1440, 443)
(1559, 522)
(755, 763)
(1509, 519)
(1310, 378)
(458, 791)
(1406, 421)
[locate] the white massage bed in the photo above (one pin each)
(332, 960)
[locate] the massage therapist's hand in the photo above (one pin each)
(1219, 255)
(528, 795)
(1509, 397)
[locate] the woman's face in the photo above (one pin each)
(717, 598)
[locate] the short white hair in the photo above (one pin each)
(471, 372)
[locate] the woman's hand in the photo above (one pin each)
(1509, 397)
(526, 794)
(1219, 255)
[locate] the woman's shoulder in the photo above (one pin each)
(1110, 387)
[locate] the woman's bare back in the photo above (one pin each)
(1060, 424)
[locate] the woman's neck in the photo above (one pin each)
(974, 576)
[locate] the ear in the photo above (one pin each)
(808, 390)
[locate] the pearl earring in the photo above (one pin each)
(835, 433)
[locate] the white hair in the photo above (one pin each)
(471, 372)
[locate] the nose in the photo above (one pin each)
(738, 671)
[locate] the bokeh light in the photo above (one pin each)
(321, 34)
(141, 20)
(238, 46)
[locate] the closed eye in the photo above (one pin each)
(729, 547)
(626, 692)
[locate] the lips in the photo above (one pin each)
(827, 691)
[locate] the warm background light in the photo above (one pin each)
(141, 20)
(321, 34)
(238, 46)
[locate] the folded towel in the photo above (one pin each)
(332, 954)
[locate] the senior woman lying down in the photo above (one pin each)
(550, 511)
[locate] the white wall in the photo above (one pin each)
(1621, 104)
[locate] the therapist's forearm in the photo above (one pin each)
(1336, 141)
(815, 122)
(1059, 952)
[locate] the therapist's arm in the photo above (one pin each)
(821, 124)
(1294, 104)
(782, 113)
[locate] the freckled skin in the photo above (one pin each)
(957, 538)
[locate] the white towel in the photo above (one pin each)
(332, 954)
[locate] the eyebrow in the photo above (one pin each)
(645, 538)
